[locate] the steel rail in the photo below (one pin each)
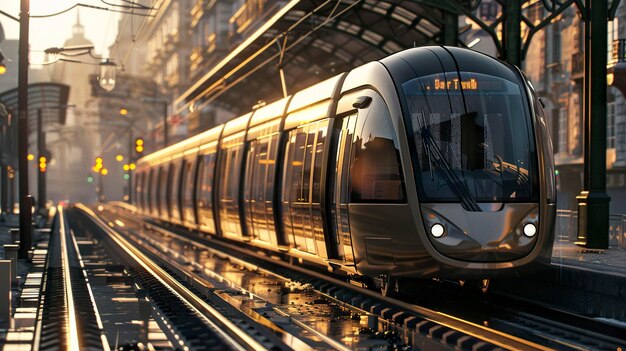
(227, 329)
(72, 328)
(498, 338)
(103, 338)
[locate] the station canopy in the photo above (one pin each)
(51, 98)
(311, 41)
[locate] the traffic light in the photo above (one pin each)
(90, 179)
(43, 164)
(98, 166)
(139, 145)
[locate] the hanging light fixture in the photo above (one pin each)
(107, 75)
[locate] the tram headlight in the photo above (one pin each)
(530, 230)
(437, 230)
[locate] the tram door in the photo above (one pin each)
(341, 191)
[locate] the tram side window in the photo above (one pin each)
(173, 188)
(205, 191)
(187, 190)
(303, 172)
(148, 194)
(230, 172)
(162, 192)
(376, 170)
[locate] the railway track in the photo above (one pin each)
(188, 318)
(70, 319)
(499, 327)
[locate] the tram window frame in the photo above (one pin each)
(162, 192)
(174, 189)
(376, 113)
(300, 222)
(231, 163)
(148, 198)
(168, 189)
(206, 176)
(259, 187)
(186, 193)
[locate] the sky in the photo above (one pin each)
(100, 26)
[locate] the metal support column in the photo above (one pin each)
(26, 226)
(4, 190)
(4, 174)
(512, 33)
(593, 207)
(450, 29)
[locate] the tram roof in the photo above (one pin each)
(322, 39)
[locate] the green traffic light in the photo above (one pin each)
(126, 176)
(90, 179)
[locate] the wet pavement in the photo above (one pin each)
(609, 261)
(316, 320)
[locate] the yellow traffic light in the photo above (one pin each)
(132, 166)
(119, 158)
(42, 159)
(139, 145)
(98, 160)
(126, 167)
(123, 111)
(3, 69)
(30, 157)
(104, 171)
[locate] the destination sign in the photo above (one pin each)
(456, 84)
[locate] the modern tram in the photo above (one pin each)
(434, 162)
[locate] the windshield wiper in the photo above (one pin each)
(456, 184)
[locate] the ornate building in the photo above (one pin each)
(74, 145)
(554, 64)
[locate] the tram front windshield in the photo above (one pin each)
(473, 138)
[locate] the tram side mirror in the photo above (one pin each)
(362, 102)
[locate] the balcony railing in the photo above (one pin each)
(567, 226)
(619, 51)
(578, 65)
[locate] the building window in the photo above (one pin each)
(613, 34)
(562, 130)
(610, 124)
(488, 11)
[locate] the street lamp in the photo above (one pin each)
(106, 78)
(107, 75)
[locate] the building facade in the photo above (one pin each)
(554, 64)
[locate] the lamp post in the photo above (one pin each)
(26, 218)
(43, 152)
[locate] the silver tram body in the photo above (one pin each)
(432, 162)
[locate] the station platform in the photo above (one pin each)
(609, 261)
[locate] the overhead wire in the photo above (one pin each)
(87, 6)
(224, 86)
(134, 36)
